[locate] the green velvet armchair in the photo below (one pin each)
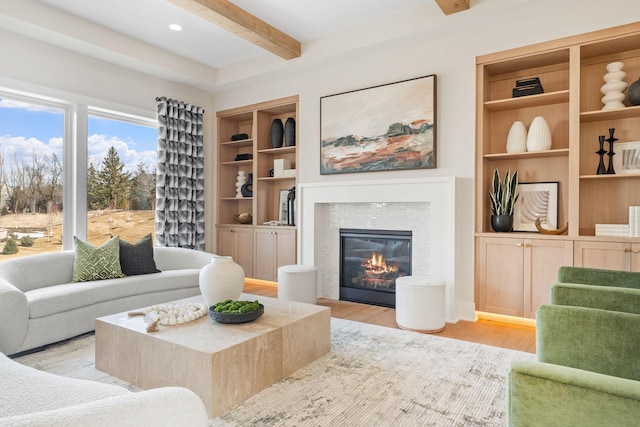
(588, 348)
(595, 288)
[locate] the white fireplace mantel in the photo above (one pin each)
(440, 195)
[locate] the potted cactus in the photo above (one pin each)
(503, 196)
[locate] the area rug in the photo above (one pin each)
(373, 376)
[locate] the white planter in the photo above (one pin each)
(517, 138)
(220, 280)
(539, 136)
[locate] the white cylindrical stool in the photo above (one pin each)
(298, 283)
(420, 304)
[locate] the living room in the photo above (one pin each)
(412, 43)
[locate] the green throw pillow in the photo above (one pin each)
(97, 263)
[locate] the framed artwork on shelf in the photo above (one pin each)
(537, 200)
(381, 128)
(283, 207)
(627, 158)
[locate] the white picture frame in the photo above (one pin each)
(536, 200)
(626, 161)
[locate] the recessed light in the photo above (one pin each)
(175, 27)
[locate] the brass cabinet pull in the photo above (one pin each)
(627, 250)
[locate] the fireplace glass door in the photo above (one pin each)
(370, 263)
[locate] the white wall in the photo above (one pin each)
(451, 56)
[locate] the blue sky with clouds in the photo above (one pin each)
(26, 129)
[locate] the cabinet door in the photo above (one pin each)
(500, 275)
(274, 248)
(542, 259)
(607, 255)
(285, 248)
(237, 243)
(635, 257)
(265, 254)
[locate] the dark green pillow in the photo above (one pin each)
(96, 263)
(137, 258)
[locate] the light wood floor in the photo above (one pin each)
(503, 335)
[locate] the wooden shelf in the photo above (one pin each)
(528, 155)
(241, 143)
(235, 199)
(281, 150)
(608, 177)
(238, 163)
(528, 101)
(598, 115)
(275, 178)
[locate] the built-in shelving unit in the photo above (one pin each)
(257, 247)
(571, 72)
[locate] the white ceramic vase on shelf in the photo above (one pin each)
(240, 181)
(539, 136)
(517, 138)
(220, 280)
(613, 89)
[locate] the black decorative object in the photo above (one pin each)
(277, 130)
(601, 152)
(291, 206)
(271, 172)
(239, 136)
(243, 156)
(290, 132)
(247, 187)
(525, 87)
(611, 140)
(633, 93)
(502, 223)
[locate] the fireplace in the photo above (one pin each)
(370, 263)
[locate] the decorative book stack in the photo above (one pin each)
(632, 229)
(527, 87)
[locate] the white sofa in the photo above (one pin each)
(29, 397)
(39, 304)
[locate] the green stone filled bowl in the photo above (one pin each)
(234, 318)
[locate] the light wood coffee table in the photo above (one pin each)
(224, 364)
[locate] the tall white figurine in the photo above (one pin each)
(614, 87)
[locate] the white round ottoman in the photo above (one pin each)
(420, 304)
(298, 283)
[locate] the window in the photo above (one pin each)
(31, 177)
(121, 178)
(68, 166)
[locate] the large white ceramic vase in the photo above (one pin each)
(539, 135)
(517, 138)
(220, 280)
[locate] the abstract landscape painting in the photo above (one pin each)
(387, 127)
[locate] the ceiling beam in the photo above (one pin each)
(241, 23)
(453, 6)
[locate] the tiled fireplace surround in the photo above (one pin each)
(424, 206)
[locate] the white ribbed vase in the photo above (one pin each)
(517, 138)
(539, 136)
(220, 280)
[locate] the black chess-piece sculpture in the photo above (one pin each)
(601, 152)
(611, 140)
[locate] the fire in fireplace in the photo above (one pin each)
(370, 263)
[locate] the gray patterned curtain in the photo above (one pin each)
(180, 175)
